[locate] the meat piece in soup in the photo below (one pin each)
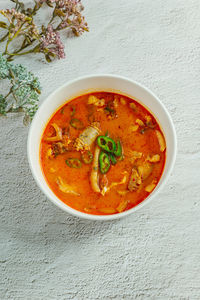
(102, 153)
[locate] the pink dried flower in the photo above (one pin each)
(71, 6)
(12, 13)
(72, 17)
(52, 39)
(69, 11)
(65, 14)
(21, 23)
(79, 25)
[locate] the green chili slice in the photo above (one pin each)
(112, 159)
(73, 110)
(76, 123)
(104, 162)
(62, 110)
(106, 143)
(74, 163)
(87, 157)
(118, 151)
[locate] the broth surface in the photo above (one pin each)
(121, 119)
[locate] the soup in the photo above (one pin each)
(102, 153)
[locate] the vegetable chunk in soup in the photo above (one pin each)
(102, 153)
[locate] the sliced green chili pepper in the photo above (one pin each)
(76, 123)
(87, 157)
(104, 162)
(118, 151)
(73, 110)
(112, 159)
(74, 163)
(62, 110)
(106, 143)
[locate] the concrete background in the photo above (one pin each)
(154, 253)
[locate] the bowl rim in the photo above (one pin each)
(83, 215)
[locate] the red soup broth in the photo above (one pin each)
(71, 164)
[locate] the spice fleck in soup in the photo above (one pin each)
(102, 153)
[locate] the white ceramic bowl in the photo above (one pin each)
(86, 84)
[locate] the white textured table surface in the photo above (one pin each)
(154, 253)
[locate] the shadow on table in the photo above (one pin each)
(39, 220)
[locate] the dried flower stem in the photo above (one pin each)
(23, 53)
(4, 37)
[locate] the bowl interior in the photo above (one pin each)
(107, 83)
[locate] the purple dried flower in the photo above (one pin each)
(52, 38)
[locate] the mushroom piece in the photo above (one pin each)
(66, 188)
(133, 155)
(100, 102)
(153, 159)
(148, 119)
(87, 137)
(92, 99)
(122, 100)
(115, 101)
(161, 140)
(133, 128)
(49, 153)
(132, 106)
(139, 122)
(96, 101)
(135, 180)
(122, 206)
(136, 154)
(149, 188)
(107, 210)
(87, 209)
(58, 136)
(145, 170)
(94, 179)
(149, 122)
(122, 193)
